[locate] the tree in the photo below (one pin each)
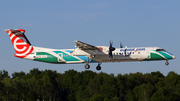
(144, 92)
(36, 73)
(89, 86)
(20, 74)
(130, 96)
(86, 77)
(3, 74)
(35, 88)
(9, 90)
(108, 88)
(97, 97)
(121, 86)
(134, 80)
(48, 87)
(168, 88)
(70, 83)
(61, 93)
(20, 87)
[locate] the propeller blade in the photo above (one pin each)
(111, 49)
(110, 43)
(121, 46)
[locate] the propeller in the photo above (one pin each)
(111, 49)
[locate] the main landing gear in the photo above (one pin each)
(167, 63)
(87, 66)
(98, 66)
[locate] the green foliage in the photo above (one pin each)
(130, 96)
(97, 97)
(3, 74)
(144, 92)
(88, 86)
(16, 74)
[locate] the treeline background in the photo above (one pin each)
(49, 85)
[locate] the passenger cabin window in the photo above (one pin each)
(158, 50)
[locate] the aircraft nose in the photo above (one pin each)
(173, 57)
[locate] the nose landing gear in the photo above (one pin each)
(167, 63)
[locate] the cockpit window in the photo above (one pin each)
(160, 50)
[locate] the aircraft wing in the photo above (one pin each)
(84, 46)
(85, 49)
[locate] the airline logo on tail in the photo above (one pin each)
(20, 43)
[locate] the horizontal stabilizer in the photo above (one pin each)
(14, 30)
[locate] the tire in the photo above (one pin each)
(98, 67)
(167, 63)
(87, 66)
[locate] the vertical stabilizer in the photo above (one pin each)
(21, 44)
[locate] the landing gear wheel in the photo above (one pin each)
(98, 67)
(167, 63)
(87, 66)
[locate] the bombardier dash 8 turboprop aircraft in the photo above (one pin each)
(85, 53)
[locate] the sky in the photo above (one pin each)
(57, 23)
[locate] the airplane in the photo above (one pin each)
(84, 53)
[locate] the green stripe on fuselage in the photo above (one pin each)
(50, 58)
(155, 56)
(66, 57)
(166, 55)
